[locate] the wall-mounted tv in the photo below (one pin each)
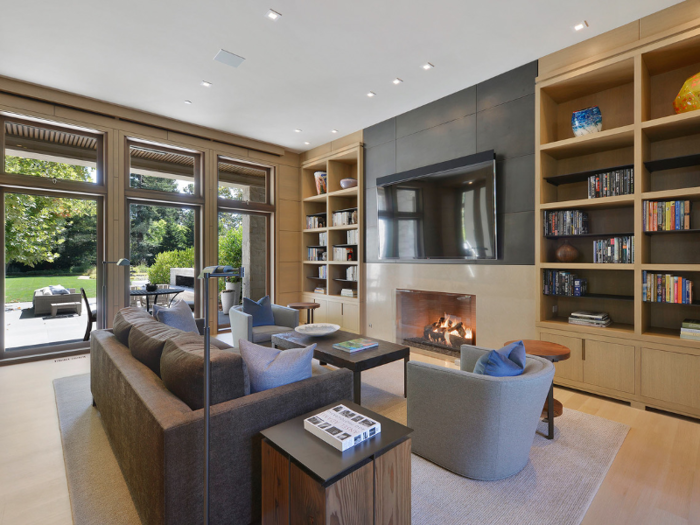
(445, 211)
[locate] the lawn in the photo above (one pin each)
(21, 289)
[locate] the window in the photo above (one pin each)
(243, 182)
(46, 150)
(162, 168)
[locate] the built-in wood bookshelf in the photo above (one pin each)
(332, 273)
(640, 357)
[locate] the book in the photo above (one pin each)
(342, 427)
(599, 316)
(693, 324)
(355, 345)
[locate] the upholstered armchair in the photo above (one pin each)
(286, 319)
(477, 426)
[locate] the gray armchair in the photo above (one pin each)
(477, 426)
(286, 319)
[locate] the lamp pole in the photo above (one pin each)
(120, 262)
(209, 272)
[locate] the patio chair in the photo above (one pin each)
(91, 316)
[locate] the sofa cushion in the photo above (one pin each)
(178, 316)
(263, 334)
(269, 368)
(182, 371)
(58, 290)
(260, 310)
(146, 342)
(125, 319)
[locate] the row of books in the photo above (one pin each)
(611, 183)
(351, 273)
(315, 221)
(690, 329)
(559, 282)
(342, 253)
(596, 319)
(565, 222)
(317, 254)
(345, 217)
(666, 215)
(353, 236)
(614, 250)
(323, 271)
(666, 288)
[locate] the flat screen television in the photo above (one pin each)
(445, 211)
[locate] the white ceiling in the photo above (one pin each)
(311, 69)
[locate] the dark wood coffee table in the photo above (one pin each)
(380, 355)
(552, 352)
(306, 480)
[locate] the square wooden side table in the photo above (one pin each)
(307, 481)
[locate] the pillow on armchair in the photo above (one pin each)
(260, 310)
(504, 362)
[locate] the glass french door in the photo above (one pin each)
(51, 246)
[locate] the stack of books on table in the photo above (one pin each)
(342, 427)
(355, 345)
(596, 319)
(690, 329)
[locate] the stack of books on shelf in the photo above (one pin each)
(614, 250)
(666, 288)
(320, 289)
(353, 236)
(345, 217)
(596, 319)
(565, 222)
(323, 272)
(558, 282)
(348, 292)
(666, 215)
(317, 254)
(323, 239)
(611, 183)
(351, 273)
(342, 253)
(315, 221)
(690, 329)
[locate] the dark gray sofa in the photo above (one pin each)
(158, 440)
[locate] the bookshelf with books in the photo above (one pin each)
(650, 157)
(338, 241)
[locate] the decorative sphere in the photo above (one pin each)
(566, 253)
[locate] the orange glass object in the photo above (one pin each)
(688, 98)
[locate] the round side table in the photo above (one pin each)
(552, 352)
(309, 307)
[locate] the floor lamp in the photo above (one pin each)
(120, 262)
(210, 272)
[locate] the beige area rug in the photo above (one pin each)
(556, 486)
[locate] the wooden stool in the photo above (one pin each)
(552, 352)
(309, 307)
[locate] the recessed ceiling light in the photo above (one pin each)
(273, 15)
(427, 66)
(397, 80)
(206, 83)
(297, 130)
(307, 143)
(371, 94)
(334, 131)
(582, 25)
(188, 102)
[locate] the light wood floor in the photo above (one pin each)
(655, 478)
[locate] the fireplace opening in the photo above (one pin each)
(184, 280)
(435, 321)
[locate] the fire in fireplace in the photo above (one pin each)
(435, 321)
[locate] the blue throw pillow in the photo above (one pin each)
(269, 368)
(505, 362)
(178, 316)
(260, 310)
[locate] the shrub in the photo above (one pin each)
(159, 273)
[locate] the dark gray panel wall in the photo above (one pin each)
(497, 114)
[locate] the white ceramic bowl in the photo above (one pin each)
(317, 329)
(348, 183)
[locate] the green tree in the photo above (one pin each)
(36, 226)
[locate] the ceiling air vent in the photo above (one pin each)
(230, 59)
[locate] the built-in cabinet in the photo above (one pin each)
(332, 238)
